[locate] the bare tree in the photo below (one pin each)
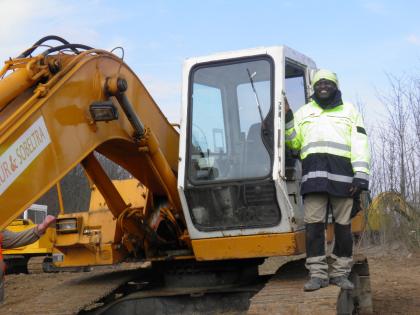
(398, 116)
(396, 158)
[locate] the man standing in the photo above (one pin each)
(333, 145)
(10, 239)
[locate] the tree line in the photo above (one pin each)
(395, 140)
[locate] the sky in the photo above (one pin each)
(361, 40)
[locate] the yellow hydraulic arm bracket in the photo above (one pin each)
(148, 142)
(134, 225)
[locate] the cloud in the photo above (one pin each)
(24, 22)
(375, 7)
(19, 20)
(94, 23)
(413, 39)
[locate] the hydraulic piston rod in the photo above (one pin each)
(116, 87)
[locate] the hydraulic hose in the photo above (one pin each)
(29, 51)
(66, 46)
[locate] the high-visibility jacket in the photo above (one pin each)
(333, 147)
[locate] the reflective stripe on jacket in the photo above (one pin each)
(333, 147)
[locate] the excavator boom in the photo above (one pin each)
(47, 127)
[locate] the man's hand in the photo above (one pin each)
(357, 186)
(357, 206)
(49, 219)
(355, 190)
(286, 105)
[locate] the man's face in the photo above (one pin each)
(325, 89)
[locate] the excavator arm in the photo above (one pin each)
(58, 108)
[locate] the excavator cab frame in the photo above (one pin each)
(232, 177)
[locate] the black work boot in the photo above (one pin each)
(315, 284)
(342, 282)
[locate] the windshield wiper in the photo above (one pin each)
(255, 92)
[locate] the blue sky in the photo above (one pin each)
(359, 39)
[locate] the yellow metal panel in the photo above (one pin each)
(131, 190)
(358, 223)
(27, 250)
(85, 256)
(94, 228)
(249, 246)
(93, 244)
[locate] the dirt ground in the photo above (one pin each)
(395, 282)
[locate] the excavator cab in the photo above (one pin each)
(236, 179)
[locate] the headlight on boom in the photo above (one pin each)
(67, 225)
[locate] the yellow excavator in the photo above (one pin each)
(214, 199)
(384, 205)
(35, 257)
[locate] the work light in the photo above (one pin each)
(103, 111)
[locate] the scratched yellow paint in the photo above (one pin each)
(249, 246)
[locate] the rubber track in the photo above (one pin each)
(35, 264)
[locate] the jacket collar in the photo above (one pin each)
(334, 102)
